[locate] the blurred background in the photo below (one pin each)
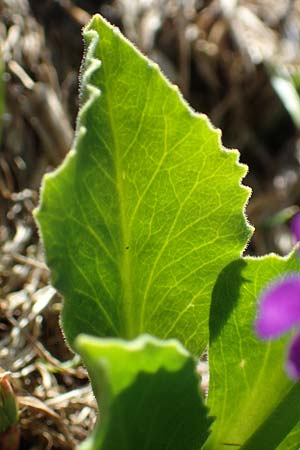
(236, 61)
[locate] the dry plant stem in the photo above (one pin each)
(184, 53)
(42, 107)
(78, 14)
(30, 262)
(10, 439)
(37, 405)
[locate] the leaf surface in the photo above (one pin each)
(148, 395)
(147, 208)
(292, 440)
(256, 405)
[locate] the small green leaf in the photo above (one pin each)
(249, 389)
(288, 94)
(147, 208)
(148, 395)
(276, 427)
(9, 415)
(292, 440)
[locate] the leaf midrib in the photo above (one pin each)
(125, 258)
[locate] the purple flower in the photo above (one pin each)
(279, 312)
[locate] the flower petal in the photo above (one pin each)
(293, 360)
(295, 226)
(279, 308)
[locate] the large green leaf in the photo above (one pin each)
(278, 424)
(249, 389)
(292, 440)
(147, 208)
(148, 395)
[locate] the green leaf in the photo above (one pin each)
(285, 88)
(147, 208)
(148, 395)
(249, 389)
(292, 441)
(9, 415)
(281, 420)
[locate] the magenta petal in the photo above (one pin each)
(295, 226)
(293, 359)
(279, 308)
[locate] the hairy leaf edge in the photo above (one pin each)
(92, 93)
